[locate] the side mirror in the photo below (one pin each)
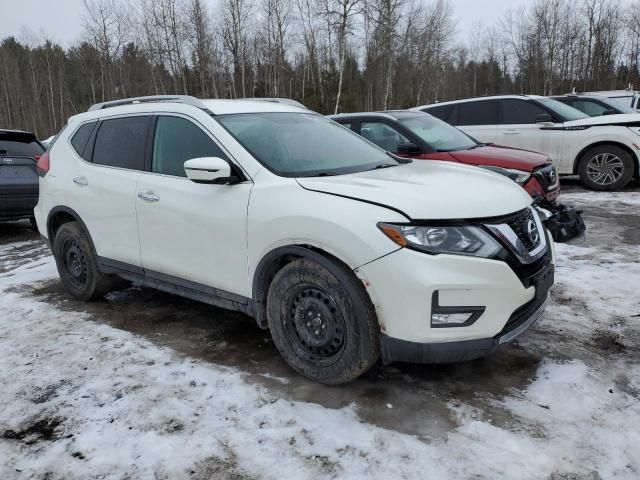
(544, 118)
(208, 170)
(408, 148)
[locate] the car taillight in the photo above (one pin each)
(43, 164)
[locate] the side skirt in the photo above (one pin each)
(178, 286)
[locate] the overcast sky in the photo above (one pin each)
(61, 19)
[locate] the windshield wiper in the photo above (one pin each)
(384, 165)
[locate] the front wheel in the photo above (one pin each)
(606, 167)
(322, 321)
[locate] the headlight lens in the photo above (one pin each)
(518, 176)
(467, 240)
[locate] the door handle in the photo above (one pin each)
(511, 132)
(82, 181)
(148, 195)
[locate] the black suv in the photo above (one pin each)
(594, 105)
(19, 152)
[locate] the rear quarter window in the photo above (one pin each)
(80, 139)
(443, 112)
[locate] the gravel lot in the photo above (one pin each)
(148, 385)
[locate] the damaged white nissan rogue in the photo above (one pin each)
(343, 251)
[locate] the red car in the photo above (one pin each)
(422, 136)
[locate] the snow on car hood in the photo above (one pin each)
(618, 119)
(429, 190)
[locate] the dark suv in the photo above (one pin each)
(19, 152)
(595, 105)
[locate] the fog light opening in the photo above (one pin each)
(452, 316)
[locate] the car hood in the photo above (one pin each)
(428, 190)
(504, 157)
(618, 119)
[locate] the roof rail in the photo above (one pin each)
(286, 101)
(186, 99)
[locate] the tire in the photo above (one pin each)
(606, 168)
(322, 321)
(77, 265)
(34, 224)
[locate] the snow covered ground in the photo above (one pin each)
(90, 392)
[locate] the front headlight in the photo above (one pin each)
(518, 176)
(463, 240)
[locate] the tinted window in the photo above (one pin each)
(520, 112)
(121, 142)
(443, 112)
(81, 138)
(383, 135)
(592, 109)
(440, 136)
(303, 144)
(19, 144)
(561, 111)
(478, 113)
(178, 140)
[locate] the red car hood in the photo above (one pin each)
(501, 157)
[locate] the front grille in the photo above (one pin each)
(547, 176)
(524, 226)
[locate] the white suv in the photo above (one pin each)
(604, 151)
(343, 251)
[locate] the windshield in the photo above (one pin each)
(565, 112)
(437, 134)
(303, 144)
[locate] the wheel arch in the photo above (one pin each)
(60, 215)
(626, 148)
(273, 262)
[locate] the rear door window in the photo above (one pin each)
(81, 138)
(121, 142)
(520, 112)
(483, 112)
(178, 140)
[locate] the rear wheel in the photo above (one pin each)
(606, 167)
(77, 263)
(322, 321)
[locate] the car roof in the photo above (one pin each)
(580, 95)
(476, 99)
(388, 114)
(182, 103)
(8, 130)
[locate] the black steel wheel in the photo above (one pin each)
(322, 321)
(74, 262)
(316, 325)
(77, 264)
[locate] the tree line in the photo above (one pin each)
(332, 55)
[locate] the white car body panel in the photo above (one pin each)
(404, 188)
